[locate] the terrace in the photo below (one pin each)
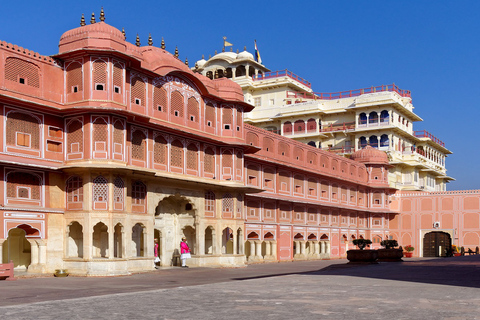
(347, 94)
(426, 134)
(281, 73)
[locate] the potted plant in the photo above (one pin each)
(408, 251)
(362, 256)
(362, 243)
(389, 253)
(455, 250)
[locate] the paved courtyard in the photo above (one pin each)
(415, 289)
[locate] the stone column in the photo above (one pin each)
(235, 242)
(252, 249)
(258, 249)
(322, 247)
(303, 247)
(297, 247)
(274, 249)
(110, 243)
(327, 248)
(42, 252)
(1, 251)
(241, 243)
(268, 251)
(317, 248)
(200, 240)
(33, 254)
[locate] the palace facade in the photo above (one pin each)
(108, 145)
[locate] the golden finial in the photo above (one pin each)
(203, 57)
(209, 56)
(223, 49)
(137, 41)
(82, 21)
(186, 61)
(216, 74)
(176, 52)
(162, 45)
(92, 20)
(245, 48)
(215, 52)
(124, 34)
(196, 67)
(238, 51)
(150, 40)
(102, 15)
(231, 49)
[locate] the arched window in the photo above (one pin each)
(374, 141)
(384, 142)
(287, 127)
(362, 118)
(311, 125)
(311, 143)
(100, 189)
(362, 142)
(23, 130)
(210, 202)
(373, 117)
(118, 193)
(138, 145)
(384, 116)
(299, 126)
(138, 92)
(74, 189)
(192, 157)
(139, 193)
(227, 203)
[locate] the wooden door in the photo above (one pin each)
(435, 243)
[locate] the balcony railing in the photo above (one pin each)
(426, 134)
(338, 127)
(347, 94)
(281, 73)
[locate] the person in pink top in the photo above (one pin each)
(185, 251)
(155, 250)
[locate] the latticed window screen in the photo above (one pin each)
(16, 68)
(75, 136)
(177, 104)
(99, 72)
(74, 77)
(118, 133)
(74, 188)
(19, 180)
(210, 201)
(138, 145)
(24, 124)
(227, 116)
(192, 108)
(160, 99)
(192, 157)
(138, 91)
(239, 118)
(118, 76)
(100, 131)
(100, 189)
(227, 203)
(209, 161)
(227, 161)
(139, 193)
(210, 115)
(239, 162)
(118, 190)
(160, 150)
(239, 204)
(176, 154)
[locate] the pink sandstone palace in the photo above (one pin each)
(108, 145)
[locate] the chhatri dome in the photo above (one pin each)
(370, 155)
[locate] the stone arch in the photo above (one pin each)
(189, 233)
(17, 248)
(227, 241)
(100, 240)
(269, 236)
(298, 236)
(75, 240)
(138, 240)
(118, 242)
(210, 240)
(253, 236)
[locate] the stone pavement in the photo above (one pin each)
(415, 289)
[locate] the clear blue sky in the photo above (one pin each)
(429, 47)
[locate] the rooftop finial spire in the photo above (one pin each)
(124, 34)
(92, 20)
(82, 21)
(102, 15)
(162, 45)
(245, 48)
(176, 52)
(203, 57)
(137, 41)
(186, 61)
(150, 40)
(231, 49)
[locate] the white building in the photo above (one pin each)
(341, 122)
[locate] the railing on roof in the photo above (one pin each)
(426, 134)
(348, 94)
(281, 73)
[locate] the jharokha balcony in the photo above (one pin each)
(281, 73)
(345, 94)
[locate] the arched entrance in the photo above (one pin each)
(175, 218)
(435, 243)
(17, 248)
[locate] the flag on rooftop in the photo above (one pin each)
(257, 54)
(226, 43)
